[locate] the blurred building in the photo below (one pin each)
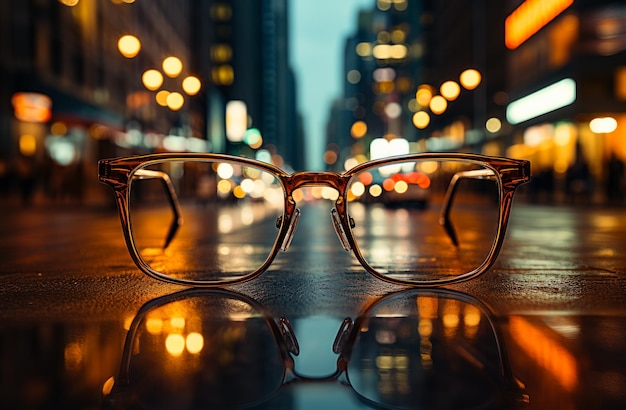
(403, 78)
(72, 88)
(567, 88)
(246, 54)
(382, 60)
(86, 79)
(543, 80)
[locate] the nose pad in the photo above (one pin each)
(289, 336)
(292, 228)
(341, 234)
(342, 335)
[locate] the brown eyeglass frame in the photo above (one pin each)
(510, 173)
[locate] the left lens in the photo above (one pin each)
(425, 221)
(210, 351)
(204, 221)
(428, 350)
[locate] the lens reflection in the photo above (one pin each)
(429, 350)
(406, 227)
(199, 350)
(204, 220)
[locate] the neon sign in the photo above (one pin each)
(529, 18)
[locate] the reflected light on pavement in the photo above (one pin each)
(545, 351)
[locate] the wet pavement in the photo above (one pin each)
(551, 314)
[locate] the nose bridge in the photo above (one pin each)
(329, 179)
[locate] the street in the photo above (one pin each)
(557, 296)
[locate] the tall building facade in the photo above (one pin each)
(246, 45)
(383, 60)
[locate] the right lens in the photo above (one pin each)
(204, 221)
(428, 350)
(425, 221)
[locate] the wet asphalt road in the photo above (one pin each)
(558, 291)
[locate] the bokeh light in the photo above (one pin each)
(129, 45)
(152, 79)
(172, 66)
(191, 85)
(175, 101)
(470, 78)
(450, 90)
(438, 104)
(421, 119)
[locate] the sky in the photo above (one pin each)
(318, 30)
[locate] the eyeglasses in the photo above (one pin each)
(213, 220)
(219, 349)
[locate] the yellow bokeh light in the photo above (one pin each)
(191, 85)
(161, 97)
(223, 75)
(175, 344)
(128, 45)
(423, 95)
(239, 192)
(175, 101)
(152, 79)
(375, 190)
(470, 78)
(358, 129)
(177, 322)
(363, 49)
(224, 186)
(172, 66)
(154, 326)
(421, 119)
(195, 343)
(438, 104)
(58, 128)
(428, 167)
(450, 90)
(493, 125)
(357, 188)
(401, 187)
(28, 145)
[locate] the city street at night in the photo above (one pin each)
(69, 291)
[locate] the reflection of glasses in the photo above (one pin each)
(419, 219)
(219, 349)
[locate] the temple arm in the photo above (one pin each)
(171, 194)
(444, 217)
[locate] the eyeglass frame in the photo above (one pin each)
(118, 173)
(284, 337)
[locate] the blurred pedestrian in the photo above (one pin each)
(578, 181)
(614, 180)
(26, 174)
